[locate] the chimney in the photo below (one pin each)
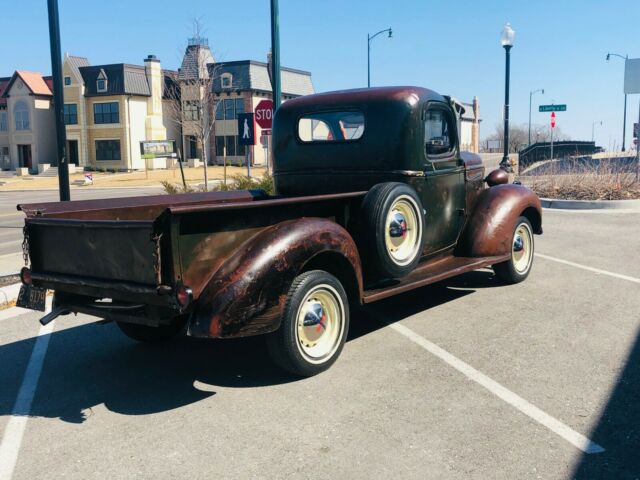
(475, 126)
(155, 129)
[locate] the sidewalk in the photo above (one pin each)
(193, 176)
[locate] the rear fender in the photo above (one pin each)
(489, 229)
(247, 293)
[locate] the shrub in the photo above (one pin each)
(603, 181)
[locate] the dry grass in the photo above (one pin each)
(586, 183)
(237, 182)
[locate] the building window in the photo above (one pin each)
(239, 106)
(230, 142)
(101, 82)
(3, 121)
(227, 80)
(67, 80)
(190, 110)
(219, 146)
(229, 108)
(21, 114)
(107, 150)
(106, 113)
(219, 110)
(70, 114)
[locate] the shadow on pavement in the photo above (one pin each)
(94, 364)
(618, 429)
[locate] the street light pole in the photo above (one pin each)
(58, 100)
(624, 114)
(593, 129)
(506, 38)
(369, 38)
(531, 94)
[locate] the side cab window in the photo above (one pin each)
(439, 132)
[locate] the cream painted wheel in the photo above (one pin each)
(522, 248)
(314, 325)
(391, 235)
(402, 231)
(320, 324)
(517, 268)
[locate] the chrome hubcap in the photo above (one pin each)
(402, 231)
(320, 323)
(522, 250)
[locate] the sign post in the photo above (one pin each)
(247, 136)
(553, 126)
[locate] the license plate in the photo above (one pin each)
(31, 297)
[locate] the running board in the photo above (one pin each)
(430, 272)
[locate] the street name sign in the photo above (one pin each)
(552, 108)
(246, 129)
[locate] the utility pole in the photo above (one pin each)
(275, 55)
(58, 100)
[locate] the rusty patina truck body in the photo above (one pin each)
(373, 198)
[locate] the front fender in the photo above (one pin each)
(490, 227)
(247, 293)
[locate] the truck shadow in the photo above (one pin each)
(91, 364)
(617, 429)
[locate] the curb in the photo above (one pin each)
(9, 293)
(590, 204)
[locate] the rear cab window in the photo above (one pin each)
(343, 126)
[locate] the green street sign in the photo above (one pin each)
(552, 108)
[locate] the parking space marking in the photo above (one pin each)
(516, 401)
(14, 431)
(590, 269)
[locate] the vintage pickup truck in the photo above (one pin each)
(373, 198)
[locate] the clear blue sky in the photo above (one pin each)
(449, 46)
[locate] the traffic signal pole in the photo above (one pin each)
(275, 55)
(58, 100)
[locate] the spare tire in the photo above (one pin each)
(392, 230)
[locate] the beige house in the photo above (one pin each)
(110, 109)
(469, 126)
(27, 138)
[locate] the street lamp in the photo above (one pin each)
(369, 38)
(593, 129)
(624, 117)
(531, 94)
(506, 39)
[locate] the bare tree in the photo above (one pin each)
(519, 135)
(191, 99)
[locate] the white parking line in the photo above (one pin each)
(14, 431)
(590, 269)
(553, 424)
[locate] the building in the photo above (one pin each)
(27, 138)
(469, 126)
(110, 109)
(237, 87)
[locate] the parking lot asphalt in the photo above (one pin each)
(462, 379)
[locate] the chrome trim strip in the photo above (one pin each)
(410, 173)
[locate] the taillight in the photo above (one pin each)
(25, 276)
(184, 295)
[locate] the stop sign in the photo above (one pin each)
(264, 113)
(553, 119)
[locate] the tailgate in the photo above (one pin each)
(122, 251)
